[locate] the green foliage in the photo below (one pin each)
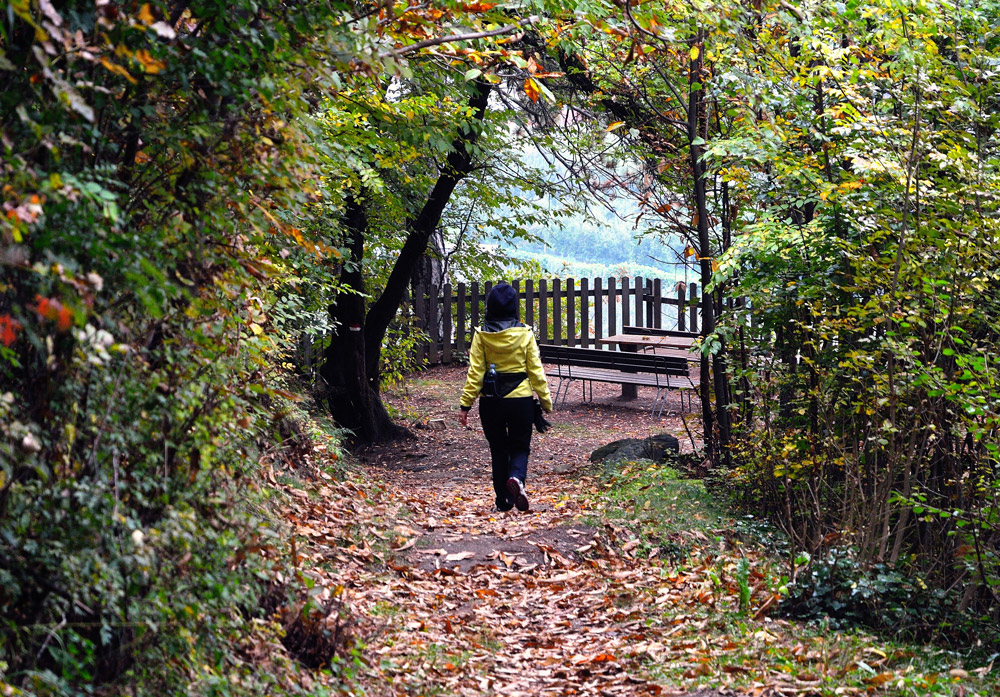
(390, 144)
(144, 300)
(670, 514)
(845, 593)
(866, 267)
(399, 353)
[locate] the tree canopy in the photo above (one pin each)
(189, 187)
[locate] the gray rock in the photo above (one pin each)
(659, 448)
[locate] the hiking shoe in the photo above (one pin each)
(503, 505)
(516, 489)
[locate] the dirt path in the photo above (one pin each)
(549, 602)
(446, 596)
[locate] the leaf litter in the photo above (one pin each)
(449, 596)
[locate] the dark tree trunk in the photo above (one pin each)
(351, 395)
(351, 368)
(720, 418)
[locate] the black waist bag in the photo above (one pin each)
(504, 384)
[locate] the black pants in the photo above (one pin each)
(507, 425)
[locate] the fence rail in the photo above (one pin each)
(565, 312)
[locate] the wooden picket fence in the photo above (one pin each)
(567, 312)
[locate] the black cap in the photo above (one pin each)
(501, 303)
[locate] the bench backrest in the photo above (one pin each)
(652, 331)
(614, 360)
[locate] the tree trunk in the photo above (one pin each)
(430, 269)
(695, 121)
(352, 361)
(459, 164)
(352, 396)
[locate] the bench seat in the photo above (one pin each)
(594, 365)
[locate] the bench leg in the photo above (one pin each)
(565, 390)
(660, 401)
(555, 397)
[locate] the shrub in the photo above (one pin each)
(146, 150)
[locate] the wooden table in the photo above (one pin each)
(633, 342)
(671, 345)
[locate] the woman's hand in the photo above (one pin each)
(463, 418)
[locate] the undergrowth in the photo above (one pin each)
(745, 592)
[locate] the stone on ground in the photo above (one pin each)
(659, 448)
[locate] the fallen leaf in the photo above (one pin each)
(459, 556)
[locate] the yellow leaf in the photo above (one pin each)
(146, 15)
(531, 89)
(22, 8)
(715, 265)
(256, 329)
(689, 251)
(613, 126)
(149, 63)
(117, 69)
(695, 52)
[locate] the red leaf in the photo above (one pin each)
(65, 319)
(8, 329)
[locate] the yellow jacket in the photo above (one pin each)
(513, 350)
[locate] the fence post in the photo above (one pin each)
(584, 313)
(694, 308)
(474, 301)
(447, 324)
(460, 317)
(529, 302)
(681, 315)
(612, 306)
(657, 304)
(543, 311)
(570, 312)
(598, 312)
(626, 307)
(516, 285)
(556, 312)
(640, 297)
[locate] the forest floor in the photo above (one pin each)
(619, 581)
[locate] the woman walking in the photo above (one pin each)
(504, 369)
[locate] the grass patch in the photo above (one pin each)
(665, 510)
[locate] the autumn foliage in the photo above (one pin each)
(146, 150)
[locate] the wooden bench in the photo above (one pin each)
(594, 365)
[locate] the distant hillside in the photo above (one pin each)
(581, 246)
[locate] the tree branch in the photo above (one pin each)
(460, 162)
(437, 41)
